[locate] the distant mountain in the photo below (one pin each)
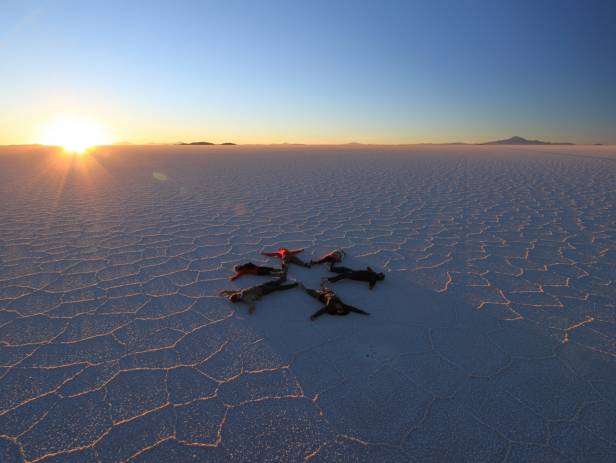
(199, 143)
(523, 141)
(228, 143)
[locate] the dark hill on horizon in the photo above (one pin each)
(515, 140)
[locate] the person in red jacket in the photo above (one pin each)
(334, 257)
(288, 256)
(251, 269)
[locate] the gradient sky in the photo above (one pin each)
(312, 71)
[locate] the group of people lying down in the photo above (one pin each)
(333, 304)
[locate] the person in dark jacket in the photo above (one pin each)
(368, 275)
(251, 295)
(333, 304)
(251, 269)
(334, 257)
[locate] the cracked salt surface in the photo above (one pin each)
(492, 337)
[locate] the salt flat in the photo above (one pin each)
(492, 338)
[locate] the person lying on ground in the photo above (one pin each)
(251, 295)
(334, 257)
(367, 275)
(333, 304)
(288, 256)
(251, 269)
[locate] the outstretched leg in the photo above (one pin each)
(287, 286)
(318, 313)
(342, 276)
(281, 274)
(314, 293)
(297, 261)
(262, 270)
(272, 286)
(333, 268)
(251, 269)
(350, 308)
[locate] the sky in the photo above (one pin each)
(331, 71)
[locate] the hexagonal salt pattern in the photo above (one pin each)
(492, 337)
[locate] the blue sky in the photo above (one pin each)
(312, 71)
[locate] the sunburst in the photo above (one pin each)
(75, 134)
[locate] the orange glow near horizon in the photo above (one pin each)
(74, 134)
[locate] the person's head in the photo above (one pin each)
(237, 268)
(380, 276)
(235, 297)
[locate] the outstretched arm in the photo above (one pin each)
(350, 308)
(287, 286)
(313, 292)
(336, 269)
(318, 313)
(226, 293)
(269, 254)
(372, 283)
(235, 276)
(292, 252)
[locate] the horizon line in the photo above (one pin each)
(214, 145)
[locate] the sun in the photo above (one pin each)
(74, 134)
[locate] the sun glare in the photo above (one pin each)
(74, 134)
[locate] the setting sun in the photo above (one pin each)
(74, 134)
